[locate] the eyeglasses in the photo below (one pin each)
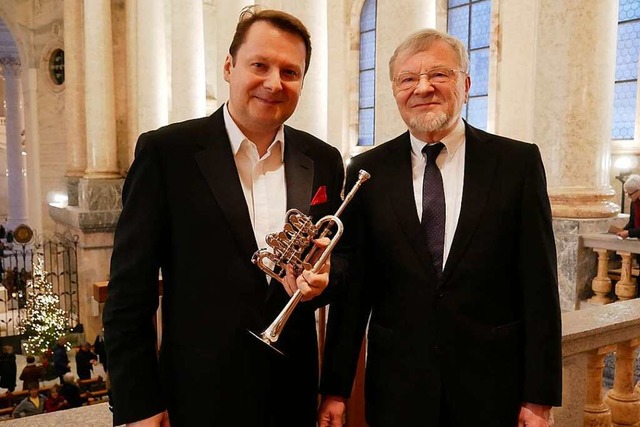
(438, 75)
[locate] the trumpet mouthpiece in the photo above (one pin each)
(363, 175)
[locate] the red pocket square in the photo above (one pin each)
(320, 197)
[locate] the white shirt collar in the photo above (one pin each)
(237, 137)
(452, 141)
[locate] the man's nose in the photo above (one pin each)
(273, 82)
(424, 86)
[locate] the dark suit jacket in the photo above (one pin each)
(184, 212)
(483, 339)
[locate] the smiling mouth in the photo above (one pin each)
(426, 104)
(269, 101)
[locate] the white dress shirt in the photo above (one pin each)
(451, 164)
(262, 178)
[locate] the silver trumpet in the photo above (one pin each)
(294, 246)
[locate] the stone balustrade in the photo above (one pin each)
(588, 335)
(603, 244)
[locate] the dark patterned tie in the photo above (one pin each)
(433, 205)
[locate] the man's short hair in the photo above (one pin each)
(422, 40)
(31, 359)
(281, 20)
(632, 184)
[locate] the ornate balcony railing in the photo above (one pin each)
(588, 335)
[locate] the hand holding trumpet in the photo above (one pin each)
(310, 284)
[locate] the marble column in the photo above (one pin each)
(573, 76)
(188, 88)
(311, 113)
(147, 66)
(213, 73)
(35, 200)
(16, 162)
(102, 159)
(75, 133)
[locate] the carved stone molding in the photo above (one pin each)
(10, 66)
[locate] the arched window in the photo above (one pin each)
(470, 21)
(367, 92)
(628, 49)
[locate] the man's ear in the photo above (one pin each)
(226, 68)
(467, 86)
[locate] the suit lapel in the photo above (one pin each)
(400, 190)
(298, 169)
(481, 159)
(217, 164)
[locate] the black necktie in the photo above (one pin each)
(433, 205)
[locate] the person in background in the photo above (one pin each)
(85, 359)
(31, 405)
(60, 358)
(8, 368)
(55, 401)
(632, 188)
(31, 374)
(70, 390)
(100, 350)
(453, 265)
(229, 179)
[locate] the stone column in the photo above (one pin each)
(188, 88)
(74, 90)
(16, 161)
(99, 202)
(311, 113)
(36, 199)
(99, 91)
(574, 75)
(556, 89)
(147, 66)
(213, 73)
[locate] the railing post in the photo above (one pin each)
(601, 284)
(623, 400)
(596, 412)
(626, 287)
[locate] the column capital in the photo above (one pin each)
(10, 66)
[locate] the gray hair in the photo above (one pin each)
(632, 184)
(69, 378)
(423, 39)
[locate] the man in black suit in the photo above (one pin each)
(197, 203)
(458, 277)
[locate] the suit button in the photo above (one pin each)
(440, 294)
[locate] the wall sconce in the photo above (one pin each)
(624, 164)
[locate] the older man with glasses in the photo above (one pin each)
(454, 266)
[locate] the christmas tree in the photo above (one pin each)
(45, 321)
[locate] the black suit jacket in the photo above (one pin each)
(184, 212)
(483, 339)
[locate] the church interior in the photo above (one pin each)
(82, 79)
